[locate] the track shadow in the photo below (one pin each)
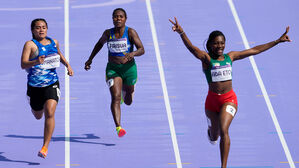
(76, 139)
(4, 159)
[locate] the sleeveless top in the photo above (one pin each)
(219, 70)
(119, 47)
(43, 75)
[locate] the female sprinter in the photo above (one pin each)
(41, 56)
(221, 103)
(121, 71)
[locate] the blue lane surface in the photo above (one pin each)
(277, 66)
(147, 143)
(21, 135)
(254, 141)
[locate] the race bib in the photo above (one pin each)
(51, 61)
(118, 45)
(221, 73)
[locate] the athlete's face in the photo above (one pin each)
(119, 19)
(40, 30)
(218, 45)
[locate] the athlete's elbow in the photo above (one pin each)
(23, 66)
(141, 51)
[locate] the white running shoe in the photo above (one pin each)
(210, 139)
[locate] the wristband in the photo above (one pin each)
(182, 33)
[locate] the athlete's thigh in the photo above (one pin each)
(130, 75)
(36, 98)
(212, 118)
(227, 114)
(129, 88)
(50, 107)
(116, 87)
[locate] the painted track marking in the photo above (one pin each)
(67, 85)
(164, 86)
(262, 86)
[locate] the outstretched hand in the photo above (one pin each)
(176, 27)
(284, 37)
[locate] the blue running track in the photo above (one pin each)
(173, 87)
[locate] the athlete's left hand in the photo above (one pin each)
(70, 71)
(284, 37)
(128, 57)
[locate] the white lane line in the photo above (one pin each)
(261, 83)
(164, 87)
(95, 5)
(109, 3)
(67, 85)
(30, 9)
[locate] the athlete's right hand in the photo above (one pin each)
(87, 65)
(40, 59)
(176, 27)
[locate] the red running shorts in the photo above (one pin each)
(215, 101)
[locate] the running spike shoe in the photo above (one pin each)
(210, 139)
(43, 152)
(120, 131)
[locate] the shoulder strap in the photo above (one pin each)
(111, 33)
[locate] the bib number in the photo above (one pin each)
(51, 61)
(118, 45)
(221, 74)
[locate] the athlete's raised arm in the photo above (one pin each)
(236, 55)
(202, 55)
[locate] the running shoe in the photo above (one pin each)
(120, 131)
(43, 152)
(210, 139)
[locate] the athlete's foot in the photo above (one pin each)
(213, 142)
(120, 131)
(43, 152)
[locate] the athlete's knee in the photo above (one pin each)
(116, 98)
(50, 113)
(224, 132)
(37, 114)
(128, 96)
(38, 117)
(128, 101)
